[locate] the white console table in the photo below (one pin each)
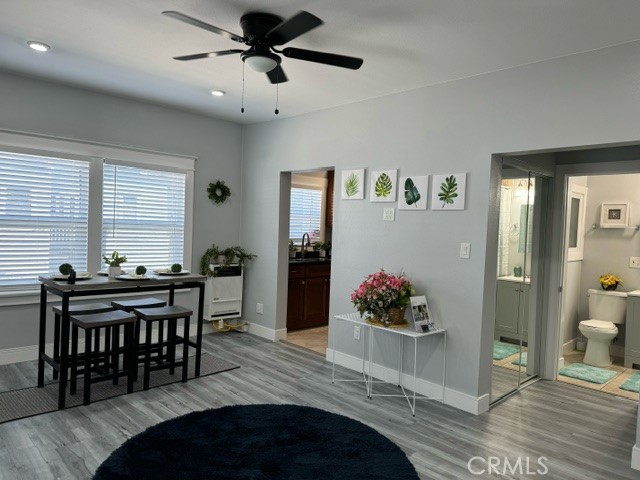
(367, 357)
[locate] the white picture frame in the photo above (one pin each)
(448, 191)
(419, 186)
(383, 186)
(614, 215)
(352, 184)
(422, 319)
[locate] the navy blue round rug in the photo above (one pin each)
(258, 442)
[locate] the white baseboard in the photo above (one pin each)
(268, 333)
(454, 398)
(30, 352)
(635, 457)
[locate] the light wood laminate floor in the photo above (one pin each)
(583, 433)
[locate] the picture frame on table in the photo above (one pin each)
(422, 320)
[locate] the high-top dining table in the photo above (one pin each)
(103, 285)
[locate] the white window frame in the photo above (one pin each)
(96, 154)
(313, 183)
(576, 254)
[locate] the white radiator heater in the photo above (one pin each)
(223, 295)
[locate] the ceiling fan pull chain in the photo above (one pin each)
(277, 91)
(242, 105)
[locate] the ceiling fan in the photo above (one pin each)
(262, 32)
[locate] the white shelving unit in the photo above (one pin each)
(223, 297)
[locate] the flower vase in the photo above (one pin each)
(396, 317)
(609, 287)
(115, 271)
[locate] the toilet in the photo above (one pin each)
(606, 309)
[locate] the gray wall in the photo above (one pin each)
(449, 128)
(53, 109)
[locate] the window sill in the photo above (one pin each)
(9, 298)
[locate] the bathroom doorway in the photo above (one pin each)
(520, 286)
(310, 233)
(599, 345)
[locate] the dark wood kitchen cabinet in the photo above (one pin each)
(308, 295)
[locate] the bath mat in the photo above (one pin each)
(588, 373)
(503, 350)
(522, 360)
(632, 384)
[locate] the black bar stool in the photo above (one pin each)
(150, 302)
(86, 309)
(92, 324)
(171, 314)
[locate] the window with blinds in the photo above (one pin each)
(305, 213)
(44, 213)
(143, 215)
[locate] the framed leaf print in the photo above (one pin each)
(352, 186)
(383, 186)
(412, 193)
(448, 191)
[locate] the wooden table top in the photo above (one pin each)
(101, 282)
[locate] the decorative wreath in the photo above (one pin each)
(218, 192)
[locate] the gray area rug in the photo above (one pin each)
(28, 402)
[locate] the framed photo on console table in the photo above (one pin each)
(422, 320)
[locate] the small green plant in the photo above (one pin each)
(231, 255)
(326, 246)
(176, 268)
(65, 268)
(448, 191)
(384, 185)
(141, 270)
(292, 246)
(115, 260)
(352, 185)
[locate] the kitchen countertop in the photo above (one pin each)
(512, 278)
(305, 261)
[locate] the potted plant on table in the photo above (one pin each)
(292, 249)
(324, 248)
(114, 262)
(383, 298)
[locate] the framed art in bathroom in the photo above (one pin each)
(614, 215)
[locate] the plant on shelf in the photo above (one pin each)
(223, 256)
(141, 270)
(65, 268)
(292, 249)
(609, 281)
(383, 298)
(114, 262)
(176, 268)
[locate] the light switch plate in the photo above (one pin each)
(259, 308)
(389, 214)
(634, 262)
(465, 250)
(356, 332)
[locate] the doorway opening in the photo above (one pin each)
(309, 270)
(599, 345)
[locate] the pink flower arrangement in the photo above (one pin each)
(381, 291)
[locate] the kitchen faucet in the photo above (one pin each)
(303, 248)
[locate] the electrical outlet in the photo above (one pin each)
(356, 332)
(389, 214)
(259, 308)
(634, 262)
(465, 250)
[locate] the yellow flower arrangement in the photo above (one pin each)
(610, 281)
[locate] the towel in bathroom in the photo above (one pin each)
(632, 384)
(522, 360)
(503, 350)
(588, 373)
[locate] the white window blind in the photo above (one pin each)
(305, 213)
(143, 215)
(43, 216)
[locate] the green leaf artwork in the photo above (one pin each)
(448, 191)
(352, 185)
(411, 193)
(384, 185)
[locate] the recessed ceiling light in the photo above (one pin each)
(217, 93)
(39, 46)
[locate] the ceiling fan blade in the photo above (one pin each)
(293, 27)
(321, 57)
(197, 23)
(197, 56)
(277, 75)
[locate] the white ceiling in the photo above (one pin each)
(125, 46)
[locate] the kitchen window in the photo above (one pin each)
(305, 215)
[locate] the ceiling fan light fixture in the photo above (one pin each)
(218, 93)
(262, 62)
(38, 46)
